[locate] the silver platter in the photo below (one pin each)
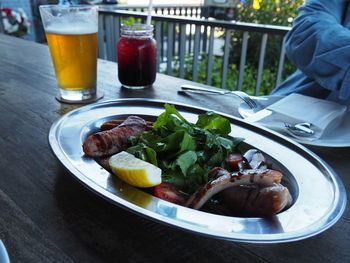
(319, 195)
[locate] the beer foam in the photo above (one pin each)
(71, 29)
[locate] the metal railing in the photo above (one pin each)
(179, 38)
(197, 11)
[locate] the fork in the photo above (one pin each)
(240, 94)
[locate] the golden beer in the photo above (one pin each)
(71, 33)
(74, 57)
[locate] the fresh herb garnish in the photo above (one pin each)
(184, 151)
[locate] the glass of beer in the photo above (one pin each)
(71, 33)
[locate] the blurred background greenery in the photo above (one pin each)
(271, 12)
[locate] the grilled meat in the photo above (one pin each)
(114, 140)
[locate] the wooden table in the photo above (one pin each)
(47, 216)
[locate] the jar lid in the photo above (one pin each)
(137, 30)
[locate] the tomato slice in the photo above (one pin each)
(170, 193)
(234, 159)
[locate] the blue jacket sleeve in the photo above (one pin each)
(319, 44)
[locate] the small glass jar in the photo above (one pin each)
(137, 56)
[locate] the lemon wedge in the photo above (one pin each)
(135, 171)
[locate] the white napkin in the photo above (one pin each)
(296, 108)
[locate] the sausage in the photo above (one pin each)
(253, 200)
(222, 179)
(114, 123)
(114, 140)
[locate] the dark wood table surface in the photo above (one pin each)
(48, 216)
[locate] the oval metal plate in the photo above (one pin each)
(319, 194)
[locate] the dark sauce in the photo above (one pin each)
(137, 61)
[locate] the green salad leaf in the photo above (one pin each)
(184, 151)
(211, 120)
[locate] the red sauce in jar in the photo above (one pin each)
(137, 53)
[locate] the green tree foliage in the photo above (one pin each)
(271, 12)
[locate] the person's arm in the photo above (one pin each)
(319, 45)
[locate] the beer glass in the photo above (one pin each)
(71, 33)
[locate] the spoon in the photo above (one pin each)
(302, 129)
